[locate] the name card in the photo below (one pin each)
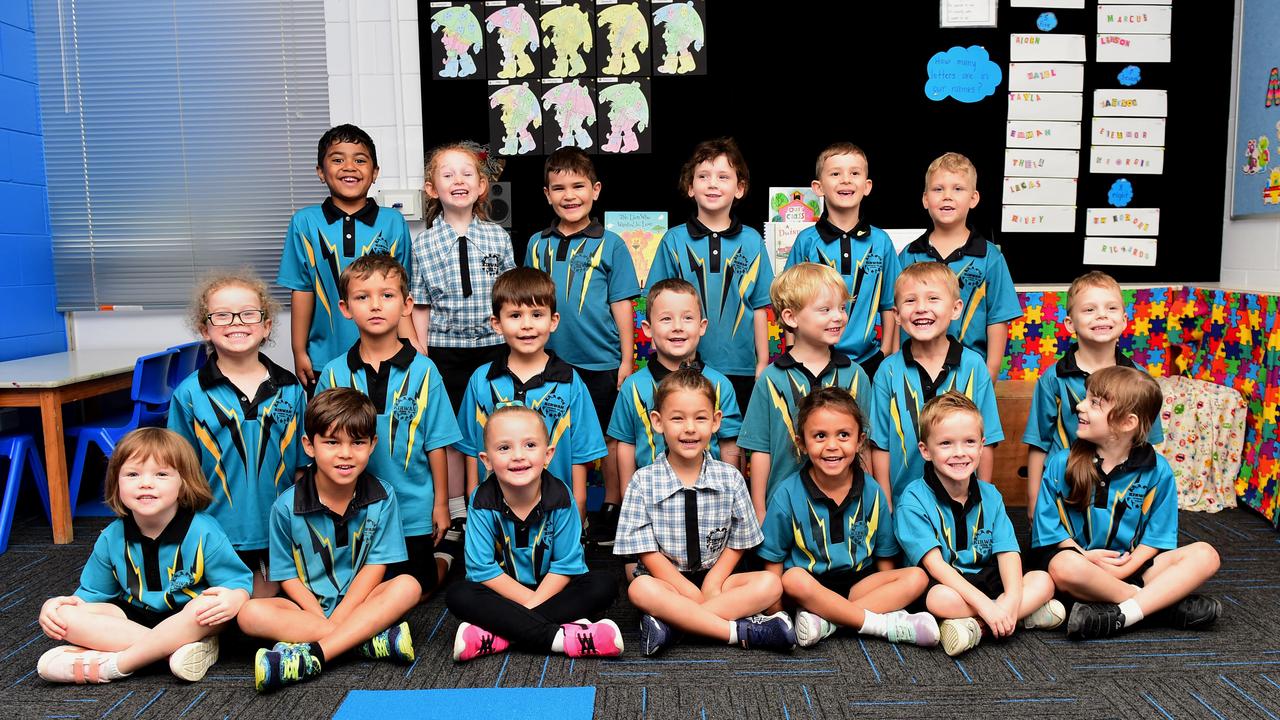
(1142, 222)
(1046, 77)
(1040, 191)
(1131, 103)
(1134, 48)
(1041, 163)
(1120, 251)
(1042, 134)
(1040, 48)
(1135, 19)
(1045, 106)
(1134, 160)
(1129, 131)
(1039, 218)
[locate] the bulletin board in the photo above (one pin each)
(787, 79)
(1255, 164)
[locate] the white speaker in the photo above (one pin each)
(500, 204)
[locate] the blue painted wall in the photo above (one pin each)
(29, 324)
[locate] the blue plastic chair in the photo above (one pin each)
(190, 356)
(21, 451)
(150, 394)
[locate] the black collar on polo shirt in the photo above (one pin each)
(554, 496)
(838, 360)
(210, 376)
(367, 214)
(834, 528)
(952, 361)
(403, 357)
(377, 380)
(1068, 366)
(1141, 457)
(593, 230)
(975, 246)
(659, 371)
(828, 231)
(556, 370)
(306, 495)
(173, 533)
(697, 230)
(959, 525)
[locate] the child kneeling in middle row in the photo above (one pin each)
(829, 526)
(527, 581)
(687, 519)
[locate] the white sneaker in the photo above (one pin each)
(811, 627)
(1046, 617)
(960, 635)
(191, 661)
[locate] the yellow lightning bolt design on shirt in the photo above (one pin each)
(644, 419)
(424, 392)
(799, 537)
(591, 268)
(743, 286)
(974, 301)
(206, 439)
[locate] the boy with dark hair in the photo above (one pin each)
(324, 239)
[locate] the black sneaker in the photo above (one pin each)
(1195, 612)
(774, 632)
(605, 526)
(1090, 621)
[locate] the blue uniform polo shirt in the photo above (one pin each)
(969, 535)
(986, 289)
(902, 387)
(1052, 423)
(191, 555)
(557, 393)
(865, 258)
(322, 241)
(769, 425)
(547, 540)
(630, 420)
(804, 528)
(732, 273)
(325, 550)
(1135, 504)
(414, 418)
(592, 269)
(249, 448)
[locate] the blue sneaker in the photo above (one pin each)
(655, 635)
(774, 632)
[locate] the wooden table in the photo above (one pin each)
(49, 381)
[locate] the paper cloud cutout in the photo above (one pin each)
(1047, 21)
(1121, 193)
(966, 74)
(1131, 75)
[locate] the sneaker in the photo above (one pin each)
(774, 632)
(191, 661)
(71, 664)
(655, 635)
(1089, 621)
(473, 641)
(605, 526)
(811, 627)
(959, 635)
(1195, 612)
(284, 664)
(917, 628)
(1046, 617)
(587, 639)
(395, 643)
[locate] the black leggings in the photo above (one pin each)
(585, 596)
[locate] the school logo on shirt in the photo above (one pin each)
(180, 581)
(379, 245)
(406, 409)
(580, 262)
(741, 264)
(553, 407)
(716, 540)
(982, 542)
(1136, 495)
(971, 277)
(858, 533)
(281, 411)
(872, 264)
(492, 263)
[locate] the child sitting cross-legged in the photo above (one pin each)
(687, 520)
(527, 580)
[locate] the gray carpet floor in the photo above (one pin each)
(1230, 671)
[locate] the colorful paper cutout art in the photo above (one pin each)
(1273, 88)
(779, 237)
(966, 74)
(568, 113)
(512, 40)
(1271, 193)
(568, 39)
(514, 113)
(641, 231)
(794, 204)
(1047, 22)
(1257, 155)
(1121, 193)
(680, 36)
(1131, 75)
(455, 38)
(625, 125)
(622, 38)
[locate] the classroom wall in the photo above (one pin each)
(1250, 247)
(31, 325)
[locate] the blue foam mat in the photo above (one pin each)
(530, 703)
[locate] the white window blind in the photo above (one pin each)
(179, 136)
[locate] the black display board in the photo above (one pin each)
(786, 79)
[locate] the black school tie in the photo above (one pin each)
(691, 533)
(464, 267)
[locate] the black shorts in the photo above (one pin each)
(694, 576)
(258, 561)
(457, 365)
(602, 385)
(871, 364)
(421, 563)
(143, 616)
(987, 580)
(841, 582)
(1039, 559)
(742, 387)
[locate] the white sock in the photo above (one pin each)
(874, 624)
(457, 508)
(109, 669)
(1132, 613)
(557, 645)
(733, 633)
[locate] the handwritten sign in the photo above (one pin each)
(966, 74)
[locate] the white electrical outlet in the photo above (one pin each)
(408, 202)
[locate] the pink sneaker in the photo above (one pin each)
(588, 639)
(473, 641)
